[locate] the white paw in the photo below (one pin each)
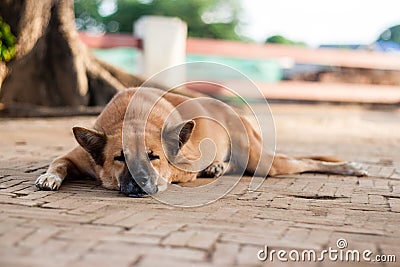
(356, 169)
(215, 170)
(48, 181)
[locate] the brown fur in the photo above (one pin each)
(100, 152)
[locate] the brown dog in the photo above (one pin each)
(172, 146)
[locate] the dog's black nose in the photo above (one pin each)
(132, 189)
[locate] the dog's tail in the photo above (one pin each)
(321, 158)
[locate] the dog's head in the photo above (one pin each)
(149, 165)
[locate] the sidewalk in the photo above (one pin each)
(86, 225)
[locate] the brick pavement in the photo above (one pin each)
(86, 225)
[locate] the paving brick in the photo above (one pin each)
(38, 237)
(327, 190)
(336, 214)
(225, 253)
(148, 261)
(296, 186)
(359, 198)
(281, 202)
(16, 188)
(374, 171)
(365, 183)
(10, 183)
(178, 238)
(297, 237)
(44, 214)
(54, 252)
(396, 174)
(377, 200)
(129, 238)
(88, 232)
(135, 219)
(14, 236)
(217, 226)
(155, 251)
(101, 259)
(114, 217)
(55, 197)
(394, 204)
(37, 194)
(313, 187)
(344, 191)
(68, 203)
(386, 172)
(88, 208)
(27, 261)
(75, 250)
(156, 227)
(300, 204)
(242, 238)
(222, 213)
(12, 199)
(203, 240)
(7, 223)
(318, 236)
(248, 255)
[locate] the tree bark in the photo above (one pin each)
(52, 67)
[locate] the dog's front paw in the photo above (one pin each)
(48, 181)
(355, 169)
(215, 170)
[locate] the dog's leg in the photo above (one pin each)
(282, 164)
(288, 165)
(73, 163)
(215, 170)
(256, 152)
(55, 175)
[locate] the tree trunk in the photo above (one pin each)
(52, 67)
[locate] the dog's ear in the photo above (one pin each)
(92, 141)
(179, 134)
(185, 130)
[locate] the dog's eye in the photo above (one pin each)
(121, 157)
(152, 156)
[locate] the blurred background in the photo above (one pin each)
(308, 50)
(313, 23)
(348, 47)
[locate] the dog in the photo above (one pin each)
(165, 143)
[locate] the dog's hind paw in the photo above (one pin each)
(356, 169)
(215, 170)
(48, 181)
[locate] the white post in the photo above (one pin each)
(164, 45)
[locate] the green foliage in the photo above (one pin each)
(205, 18)
(7, 42)
(279, 39)
(391, 34)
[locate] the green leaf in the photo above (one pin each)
(7, 42)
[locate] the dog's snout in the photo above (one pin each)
(146, 184)
(130, 188)
(141, 180)
(137, 185)
(140, 174)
